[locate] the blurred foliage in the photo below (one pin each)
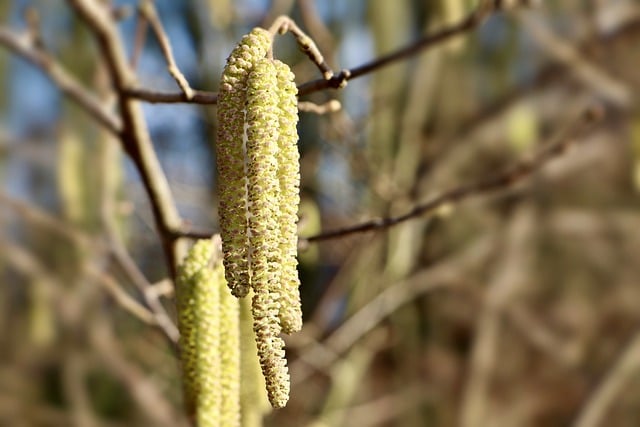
(502, 311)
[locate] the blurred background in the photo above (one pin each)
(514, 309)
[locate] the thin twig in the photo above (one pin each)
(284, 24)
(25, 48)
(514, 174)
(148, 10)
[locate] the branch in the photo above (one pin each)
(155, 97)
(516, 173)
(339, 80)
(27, 49)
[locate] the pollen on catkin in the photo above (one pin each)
(231, 158)
(289, 182)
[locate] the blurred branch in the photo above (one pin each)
(121, 297)
(588, 72)
(509, 278)
(25, 48)
(157, 97)
(143, 390)
(339, 80)
(447, 275)
(564, 139)
(623, 370)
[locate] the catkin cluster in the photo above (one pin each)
(208, 319)
(258, 173)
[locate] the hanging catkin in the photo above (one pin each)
(231, 158)
(259, 181)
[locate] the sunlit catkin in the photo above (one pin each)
(262, 123)
(259, 181)
(289, 183)
(230, 157)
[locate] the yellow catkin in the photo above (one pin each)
(194, 279)
(230, 157)
(289, 181)
(262, 122)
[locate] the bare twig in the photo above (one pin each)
(514, 174)
(127, 264)
(143, 389)
(148, 10)
(24, 47)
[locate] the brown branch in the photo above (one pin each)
(284, 24)
(514, 174)
(25, 48)
(134, 135)
(155, 97)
